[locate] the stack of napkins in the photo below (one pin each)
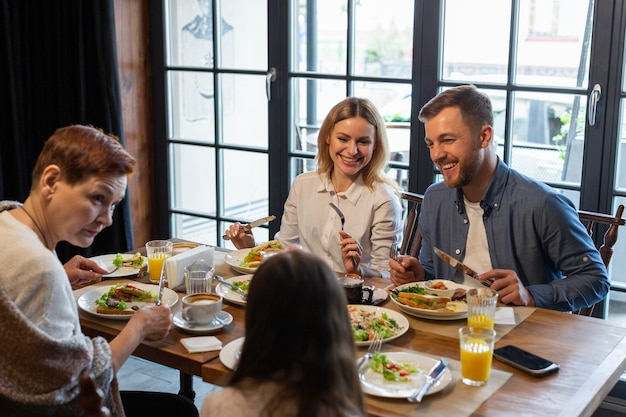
(201, 344)
(175, 266)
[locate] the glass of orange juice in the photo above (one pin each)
(157, 251)
(481, 307)
(476, 354)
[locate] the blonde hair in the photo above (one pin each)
(348, 108)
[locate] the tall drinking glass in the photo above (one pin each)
(158, 251)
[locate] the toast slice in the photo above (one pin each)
(423, 301)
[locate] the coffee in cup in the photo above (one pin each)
(353, 286)
(201, 308)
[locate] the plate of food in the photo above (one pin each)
(400, 374)
(246, 261)
(120, 301)
(229, 294)
(367, 321)
(416, 300)
(129, 265)
(229, 355)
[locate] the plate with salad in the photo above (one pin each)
(400, 374)
(229, 294)
(129, 264)
(246, 261)
(367, 321)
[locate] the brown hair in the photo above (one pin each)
(82, 152)
(350, 107)
(475, 106)
(298, 335)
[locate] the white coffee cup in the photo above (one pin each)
(201, 308)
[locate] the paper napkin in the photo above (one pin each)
(175, 266)
(201, 344)
(505, 316)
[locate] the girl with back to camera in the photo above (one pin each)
(298, 358)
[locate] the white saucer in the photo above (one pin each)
(224, 317)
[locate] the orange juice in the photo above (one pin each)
(155, 264)
(480, 320)
(476, 358)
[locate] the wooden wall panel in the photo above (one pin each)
(133, 51)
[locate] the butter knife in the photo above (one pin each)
(252, 225)
(460, 266)
(432, 377)
(161, 285)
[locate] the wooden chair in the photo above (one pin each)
(411, 239)
(590, 219)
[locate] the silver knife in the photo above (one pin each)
(252, 225)
(161, 285)
(430, 380)
(460, 266)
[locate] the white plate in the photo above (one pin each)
(378, 312)
(460, 311)
(106, 261)
(223, 319)
(228, 293)
(235, 257)
(229, 355)
(87, 301)
(373, 383)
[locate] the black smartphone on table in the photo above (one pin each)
(525, 361)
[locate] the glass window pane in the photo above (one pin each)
(244, 110)
(476, 53)
(245, 185)
(299, 166)
(195, 229)
(553, 44)
(543, 146)
(383, 39)
(190, 33)
(245, 33)
(191, 112)
(322, 46)
(620, 174)
(192, 178)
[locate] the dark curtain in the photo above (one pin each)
(58, 67)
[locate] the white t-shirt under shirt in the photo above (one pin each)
(476, 249)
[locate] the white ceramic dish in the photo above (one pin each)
(450, 286)
(402, 321)
(228, 293)
(229, 355)
(223, 319)
(373, 382)
(455, 310)
(106, 262)
(87, 301)
(234, 259)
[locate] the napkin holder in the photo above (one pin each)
(175, 266)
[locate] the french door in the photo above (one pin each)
(242, 95)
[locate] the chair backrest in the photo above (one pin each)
(411, 239)
(590, 219)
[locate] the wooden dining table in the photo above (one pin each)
(591, 353)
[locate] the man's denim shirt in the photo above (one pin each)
(531, 229)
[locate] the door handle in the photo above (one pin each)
(594, 97)
(269, 77)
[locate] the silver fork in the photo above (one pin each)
(394, 253)
(343, 221)
(374, 347)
